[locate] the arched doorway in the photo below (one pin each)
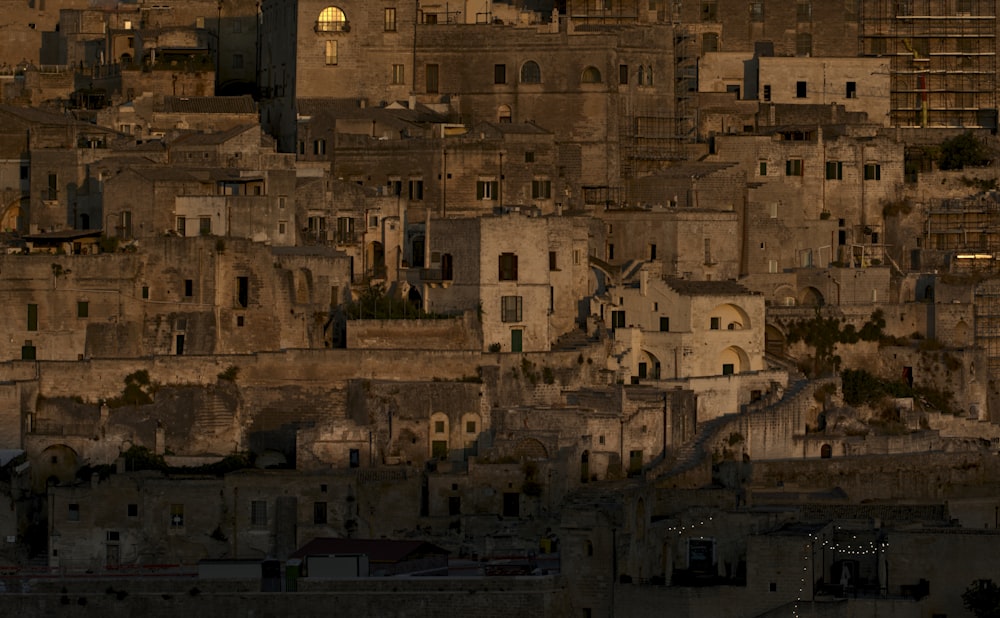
(774, 340)
(826, 451)
(811, 297)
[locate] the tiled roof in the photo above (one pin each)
(209, 105)
(707, 288)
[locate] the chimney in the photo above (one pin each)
(412, 102)
(362, 103)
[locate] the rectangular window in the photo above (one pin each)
(803, 12)
(189, 287)
(852, 90)
(834, 170)
(431, 77)
(416, 190)
(454, 505)
(176, 515)
(652, 251)
(618, 319)
(767, 92)
(552, 260)
(541, 189)
(205, 226)
(398, 74)
(793, 167)
(611, 251)
(529, 156)
(24, 171)
(715, 323)
(510, 309)
(728, 369)
(242, 292)
(772, 266)
(622, 73)
(762, 168)
(499, 73)
(237, 61)
(319, 147)
(180, 224)
(145, 292)
(709, 10)
(354, 458)
(74, 512)
(82, 309)
(708, 251)
(757, 10)
(53, 188)
(32, 317)
(487, 189)
(664, 324)
(470, 426)
(800, 90)
(508, 267)
(438, 426)
(873, 171)
(709, 42)
(132, 510)
(282, 227)
(319, 512)
(773, 208)
(390, 19)
(331, 52)
(258, 513)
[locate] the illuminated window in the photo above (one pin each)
(331, 52)
(332, 19)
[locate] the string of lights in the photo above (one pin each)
(692, 527)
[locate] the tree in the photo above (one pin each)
(961, 151)
(982, 598)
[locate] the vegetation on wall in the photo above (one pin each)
(963, 151)
(138, 391)
(982, 598)
(823, 333)
(375, 303)
(141, 458)
(863, 388)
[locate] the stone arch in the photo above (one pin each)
(530, 448)
(58, 462)
(438, 432)
(774, 340)
(811, 297)
(961, 331)
(125, 59)
(504, 113)
(733, 360)
(531, 73)
(784, 294)
(649, 366)
(591, 75)
(730, 316)
(826, 451)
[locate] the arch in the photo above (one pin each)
(125, 59)
(331, 19)
(504, 113)
(652, 366)
(961, 331)
(733, 360)
(415, 297)
(642, 75)
(59, 462)
(811, 297)
(591, 75)
(271, 459)
(531, 73)
(530, 448)
(929, 293)
(774, 340)
(438, 432)
(826, 451)
(649, 76)
(729, 314)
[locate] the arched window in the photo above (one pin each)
(331, 19)
(591, 76)
(649, 76)
(503, 113)
(530, 73)
(642, 75)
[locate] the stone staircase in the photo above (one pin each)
(212, 415)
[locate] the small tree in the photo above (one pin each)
(982, 598)
(963, 151)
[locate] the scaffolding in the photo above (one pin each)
(603, 11)
(987, 327)
(964, 226)
(942, 57)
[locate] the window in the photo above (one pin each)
(591, 76)
(180, 224)
(773, 207)
(499, 73)
(331, 52)
(709, 10)
(331, 19)
(242, 292)
(851, 90)
(541, 189)
(652, 251)
(390, 19)
(319, 512)
(354, 458)
(611, 251)
(282, 228)
(487, 189)
(189, 287)
(664, 324)
(237, 61)
(176, 515)
(834, 170)
(438, 426)
(793, 167)
(757, 10)
(873, 171)
(258, 513)
(800, 90)
(728, 369)
(623, 74)
(416, 190)
(431, 78)
(618, 319)
(767, 92)
(510, 309)
(715, 323)
(398, 74)
(762, 168)
(803, 44)
(132, 510)
(454, 505)
(529, 157)
(32, 317)
(470, 426)
(24, 171)
(82, 309)
(508, 267)
(503, 114)
(709, 42)
(145, 292)
(708, 251)
(205, 226)
(74, 512)
(531, 73)
(803, 12)
(319, 147)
